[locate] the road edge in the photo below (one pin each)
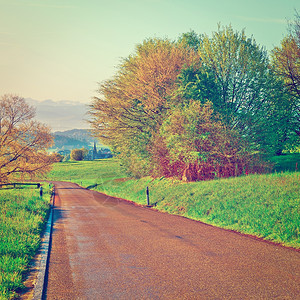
(38, 290)
(153, 208)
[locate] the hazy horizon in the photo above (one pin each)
(60, 115)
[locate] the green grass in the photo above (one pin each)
(87, 173)
(266, 206)
(22, 217)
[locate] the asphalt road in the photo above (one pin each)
(106, 248)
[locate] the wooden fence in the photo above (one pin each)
(14, 184)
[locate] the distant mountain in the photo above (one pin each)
(61, 115)
(74, 138)
(66, 143)
(78, 134)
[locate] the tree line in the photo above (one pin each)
(201, 106)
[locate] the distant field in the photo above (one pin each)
(87, 173)
(22, 217)
(266, 206)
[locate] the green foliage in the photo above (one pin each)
(196, 83)
(206, 147)
(22, 217)
(240, 68)
(282, 121)
(285, 61)
(144, 110)
(190, 40)
(286, 65)
(235, 76)
(294, 149)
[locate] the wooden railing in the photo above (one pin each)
(14, 184)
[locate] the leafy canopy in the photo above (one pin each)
(197, 108)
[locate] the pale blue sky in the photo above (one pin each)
(60, 49)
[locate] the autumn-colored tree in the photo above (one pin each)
(78, 154)
(286, 60)
(286, 64)
(132, 105)
(23, 141)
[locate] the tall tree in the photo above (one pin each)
(190, 40)
(23, 141)
(235, 76)
(133, 104)
(294, 27)
(240, 68)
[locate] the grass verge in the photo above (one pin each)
(22, 217)
(267, 206)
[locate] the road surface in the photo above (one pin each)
(106, 248)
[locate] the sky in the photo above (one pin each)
(63, 49)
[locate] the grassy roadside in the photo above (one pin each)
(22, 217)
(266, 206)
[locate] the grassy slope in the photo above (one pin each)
(263, 205)
(22, 218)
